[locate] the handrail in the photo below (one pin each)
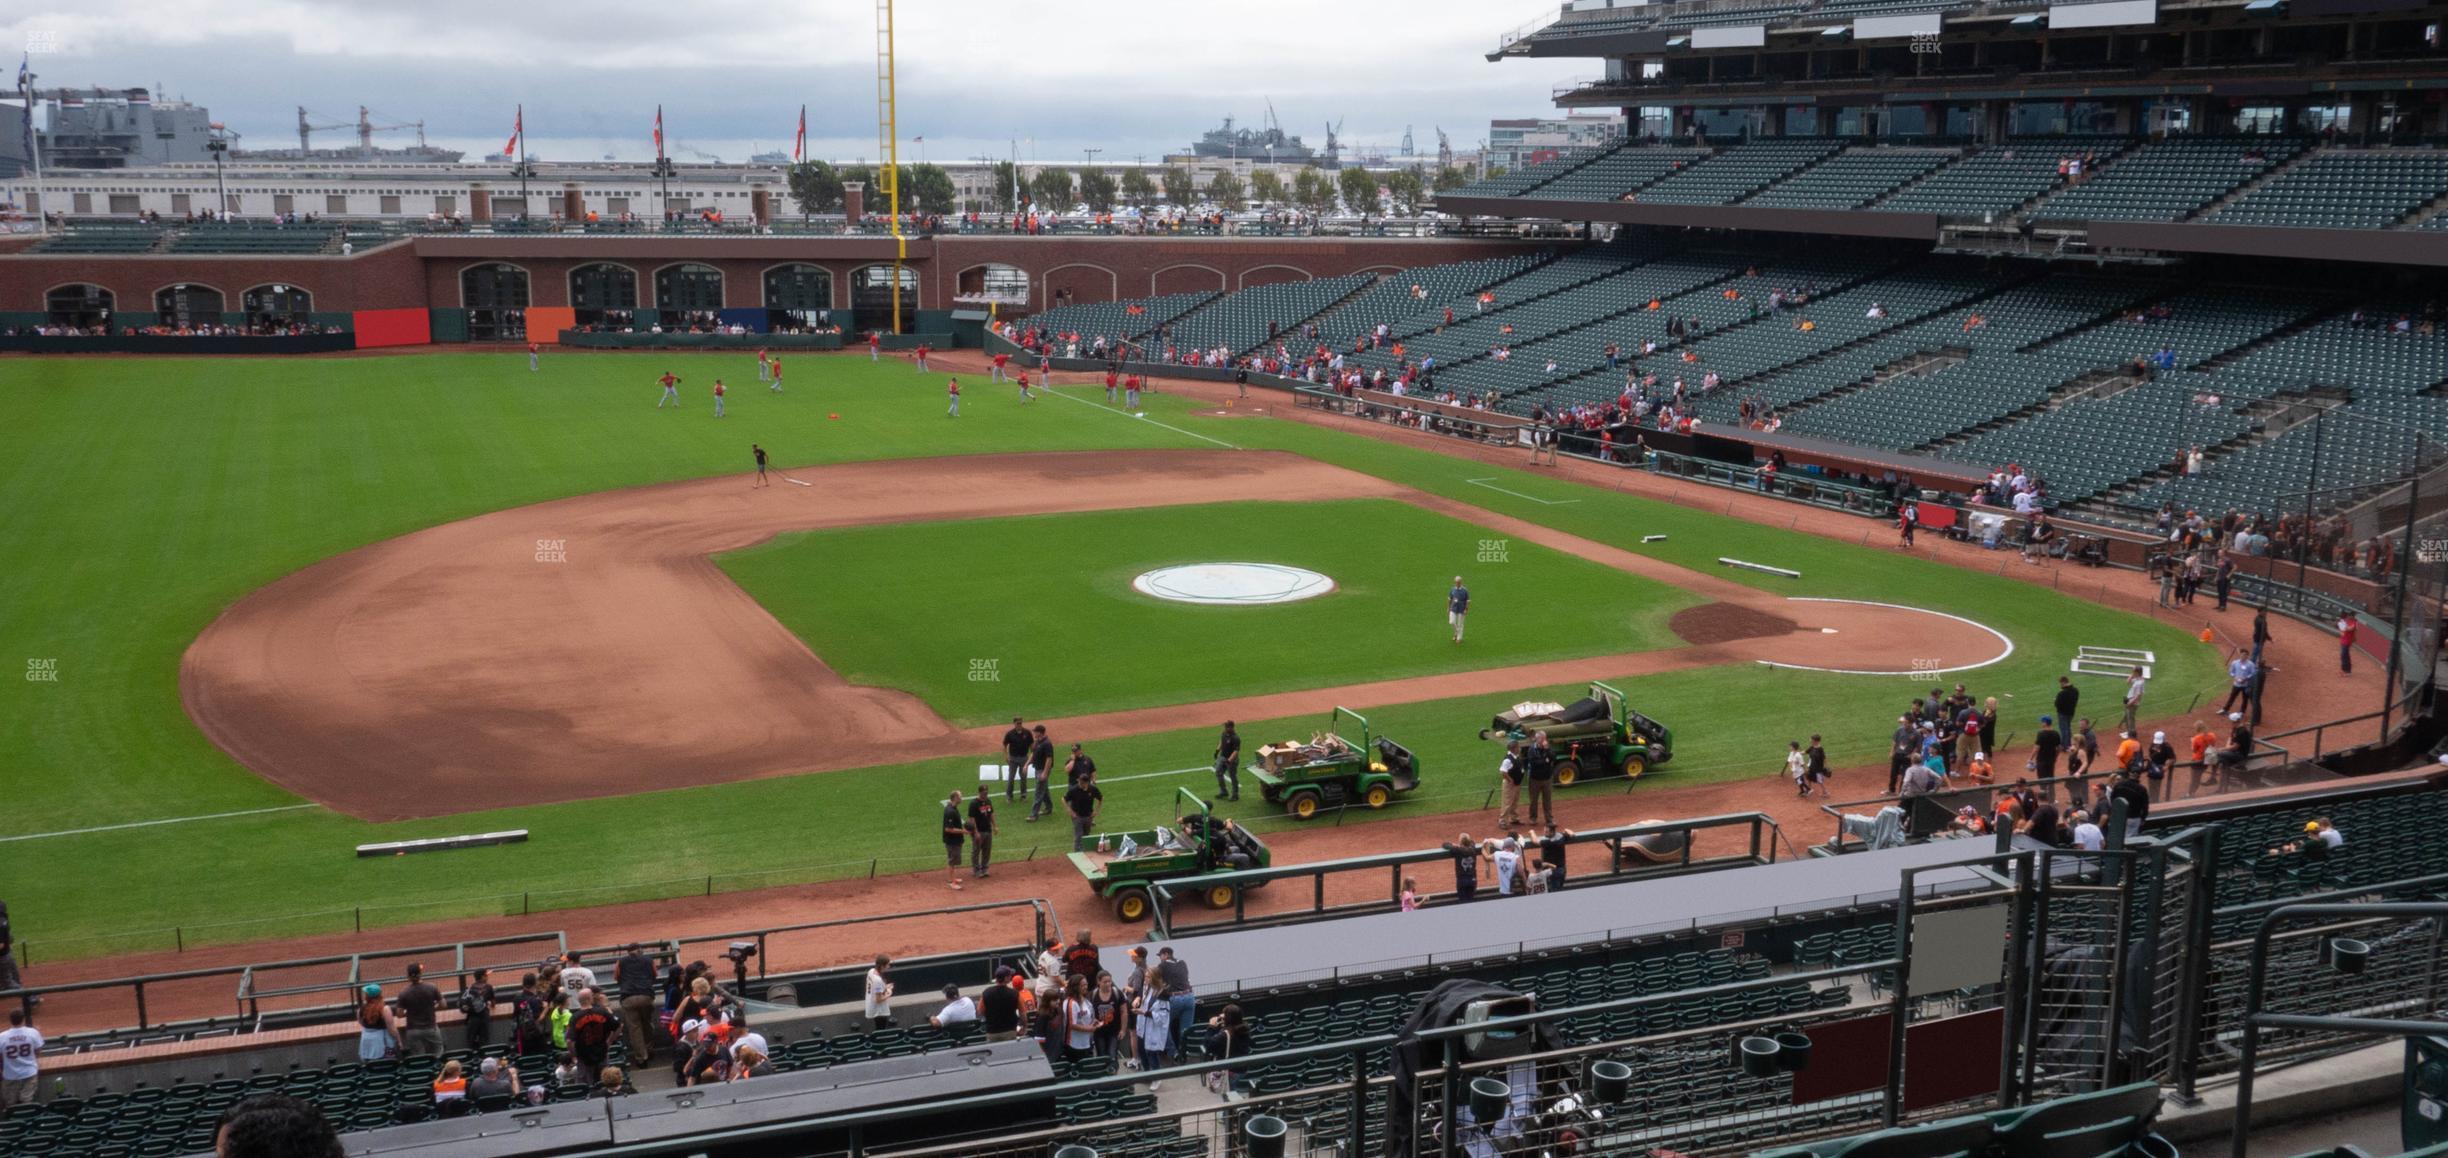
(1764, 833)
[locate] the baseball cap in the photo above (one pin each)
(2311, 826)
(2235, 717)
(2048, 719)
(373, 990)
(1980, 755)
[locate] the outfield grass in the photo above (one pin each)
(146, 495)
(1047, 600)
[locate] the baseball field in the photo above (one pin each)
(292, 606)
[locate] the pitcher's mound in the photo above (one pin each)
(1726, 622)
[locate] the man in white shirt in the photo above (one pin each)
(2133, 700)
(575, 977)
(20, 1051)
(1508, 865)
(2087, 835)
(751, 1039)
(879, 993)
(957, 1009)
(2025, 503)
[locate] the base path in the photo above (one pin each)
(589, 647)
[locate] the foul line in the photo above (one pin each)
(1995, 659)
(1142, 417)
(151, 823)
(1480, 482)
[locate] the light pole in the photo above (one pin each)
(218, 146)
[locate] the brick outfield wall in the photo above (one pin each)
(425, 273)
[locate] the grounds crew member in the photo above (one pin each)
(1228, 763)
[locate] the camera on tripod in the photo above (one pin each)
(738, 954)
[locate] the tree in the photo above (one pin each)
(1097, 188)
(1225, 189)
(1405, 189)
(1360, 194)
(1053, 190)
(1266, 188)
(1003, 174)
(816, 187)
(927, 189)
(1313, 191)
(1179, 188)
(1449, 179)
(1136, 188)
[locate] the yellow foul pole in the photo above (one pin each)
(888, 147)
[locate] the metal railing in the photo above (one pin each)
(1761, 833)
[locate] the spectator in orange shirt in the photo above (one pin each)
(2128, 749)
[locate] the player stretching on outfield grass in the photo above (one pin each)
(954, 390)
(1457, 605)
(671, 389)
(760, 457)
(718, 397)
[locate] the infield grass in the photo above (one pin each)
(984, 618)
(145, 495)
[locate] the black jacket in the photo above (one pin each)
(635, 974)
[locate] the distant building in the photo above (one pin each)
(1513, 143)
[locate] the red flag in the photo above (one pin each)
(1134, 309)
(799, 149)
(518, 128)
(658, 132)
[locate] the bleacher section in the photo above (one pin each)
(1116, 319)
(1731, 174)
(101, 238)
(2166, 180)
(1622, 170)
(1993, 180)
(2342, 189)
(2092, 444)
(2126, 179)
(1240, 321)
(225, 238)
(1850, 179)
(1420, 292)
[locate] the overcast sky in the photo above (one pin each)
(1063, 74)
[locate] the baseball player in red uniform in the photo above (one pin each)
(999, 360)
(954, 391)
(671, 389)
(774, 368)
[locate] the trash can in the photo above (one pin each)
(2424, 1121)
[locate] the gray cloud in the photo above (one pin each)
(972, 76)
